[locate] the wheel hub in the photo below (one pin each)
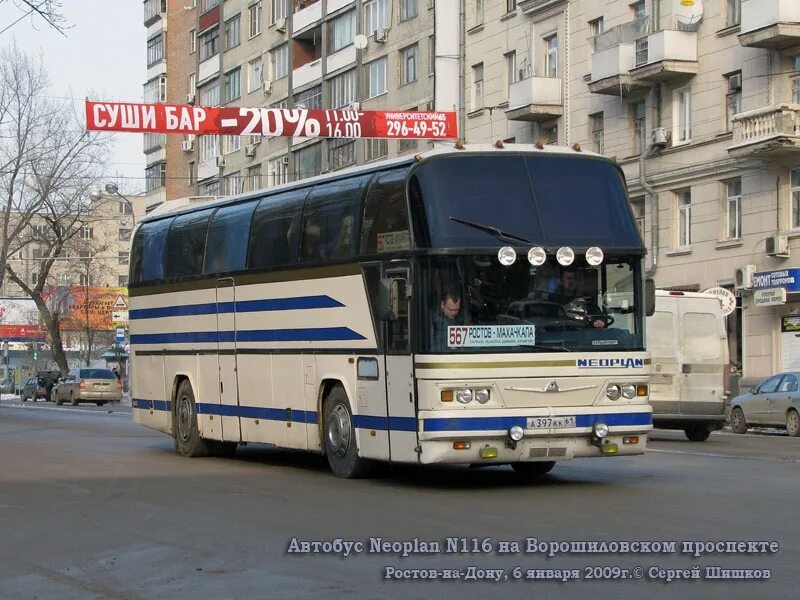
(339, 430)
(184, 418)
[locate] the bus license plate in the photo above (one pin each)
(550, 422)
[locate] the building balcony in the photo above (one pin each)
(665, 55)
(341, 59)
(771, 24)
(771, 132)
(306, 14)
(208, 68)
(307, 73)
(153, 10)
(535, 99)
(611, 71)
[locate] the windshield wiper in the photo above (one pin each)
(509, 237)
(545, 348)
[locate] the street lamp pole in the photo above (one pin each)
(113, 189)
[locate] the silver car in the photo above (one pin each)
(87, 385)
(774, 402)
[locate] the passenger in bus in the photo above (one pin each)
(578, 305)
(448, 314)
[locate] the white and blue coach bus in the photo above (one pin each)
(481, 305)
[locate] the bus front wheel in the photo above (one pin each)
(340, 437)
(187, 435)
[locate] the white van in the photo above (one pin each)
(688, 344)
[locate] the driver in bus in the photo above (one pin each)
(447, 315)
(571, 299)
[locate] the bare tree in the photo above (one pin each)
(48, 164)
(50, 11)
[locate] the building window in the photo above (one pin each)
(477, 86)
(795, 198)
(155, 176)
(733, 209)
(684, 218)
(231, 143)
(733, 99)
(407, 144)
(308, 161)
(341, 31)
(207, 5)
(209, 94)
(408, 64)
(597, 127)
(123, 258)
(209, 147)
(279, 61)
(190, 173)
(512, 75)
(122, 281)
(408, 9)
(637, 206)
(233, 84)
(596, 27)
(253, 178)
(638, 10)
(124, 208)
(86, 279)
(375, 149)
(124, 235)
(232, 184)
(431, 54)
(733, 12)
(254, 20)
(549, 134)
(280, 9)
(193, 41)
(155, 50)
(255, 75)
(376, 77)
(796, 80)
(310, 98)
(478, 14)
(551, 56)
(376, 15)
(87, 233)
(639, 127)
(279, 170)
(343, 89)
(511, 6)
(210, 188)
(232, 32)
(341, 153)
(683, 115)
(155, 90)
(209, 44)
(192, 84)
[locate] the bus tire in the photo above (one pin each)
(340, 437)
(533, 469)
(697, 432)
(187, 435)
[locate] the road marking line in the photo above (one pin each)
(713, 455)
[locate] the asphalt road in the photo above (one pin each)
(94, 506)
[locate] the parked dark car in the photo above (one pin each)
(33, 390)
(7, 385)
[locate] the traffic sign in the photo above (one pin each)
(120, 302)
(120, 335)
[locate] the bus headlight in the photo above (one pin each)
(464, 395)
(482, 395)
(516, 433)
(612, 392)
(565, 256)
(594, 256)
(600, 430)
(537, 256)
(629, 391)
(507, 256)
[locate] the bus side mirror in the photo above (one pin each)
(388, 299)
(649, 297)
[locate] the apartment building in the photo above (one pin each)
(700, 105)
(287, 54)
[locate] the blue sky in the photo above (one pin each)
(102, 56)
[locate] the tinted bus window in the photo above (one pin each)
(226, 249)
(329, 220)
(275, 232)
(385, 215)
(148, 252)
(186, 244)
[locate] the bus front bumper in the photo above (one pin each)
(489, 439)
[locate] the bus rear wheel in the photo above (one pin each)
(340, 437)
(187, 435)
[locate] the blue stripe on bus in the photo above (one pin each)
(312, 334)
(254, 412)
(503, 423)
(210, 308)
(163, 405)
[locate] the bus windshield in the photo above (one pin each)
(475, 304)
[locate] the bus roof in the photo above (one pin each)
(185, 205)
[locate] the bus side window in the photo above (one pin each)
(226, 249)
(329, 220)
(274, 234)
(135, 274)
(154, 241)
(386, 214)
(186, 244)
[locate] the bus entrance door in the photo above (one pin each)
(227, 360)
(400, 404)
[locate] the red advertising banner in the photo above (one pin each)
(22, 333)
(277, 122)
